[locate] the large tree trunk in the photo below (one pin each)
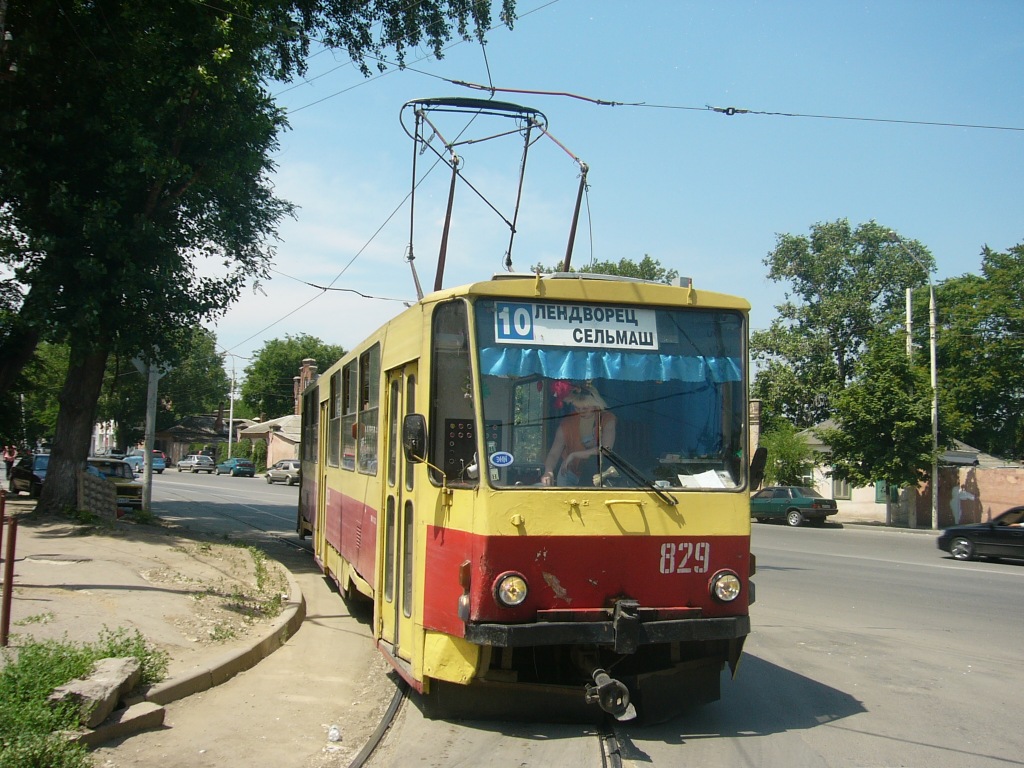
(77, 399)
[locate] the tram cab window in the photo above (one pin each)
(672, 380)
(453, 429)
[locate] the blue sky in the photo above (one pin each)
(704, 193)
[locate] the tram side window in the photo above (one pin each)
(334, 435)
(310, 424)
(453, 431)
(349, 412)
(369, 411)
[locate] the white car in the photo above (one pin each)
(286, 471)
(195, 462)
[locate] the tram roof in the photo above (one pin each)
(585, 286)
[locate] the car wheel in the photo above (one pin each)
(762, 519)
(794, 518)
(270, 480)
(179, 469)
(961, 549)
(291, 481)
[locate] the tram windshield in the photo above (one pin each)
(589, 395)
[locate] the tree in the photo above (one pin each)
(790, 458)
(29, 416)
(135, 149)
(646, 269)
(197, 383)
(981, 345)
(269, 379)
(845, 285)
(884, 419)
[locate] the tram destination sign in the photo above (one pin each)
(575, 325)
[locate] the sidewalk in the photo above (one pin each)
(214, 608)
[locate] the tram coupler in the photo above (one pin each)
(611, 695)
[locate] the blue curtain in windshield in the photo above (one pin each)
(586, 364)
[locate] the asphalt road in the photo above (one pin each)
(869, 648)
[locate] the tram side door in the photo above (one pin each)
(397, 539)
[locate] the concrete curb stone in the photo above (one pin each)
(143, 711)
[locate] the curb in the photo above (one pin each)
(146, 712)
(230, 664)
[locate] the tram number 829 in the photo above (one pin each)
(685, 557)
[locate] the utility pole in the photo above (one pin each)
(893, 236)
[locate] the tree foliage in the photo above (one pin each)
(645, 269)
(883, 418)
(981, 346)
(268, 389)
(197, 383)
(135, 161)
(845, 284)
(790, 458)
(28, 412)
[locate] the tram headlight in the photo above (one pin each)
(726, 586)
(510, 589)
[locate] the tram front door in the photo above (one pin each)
(395, 607)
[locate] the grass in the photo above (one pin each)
(38, 618)
(30, 729)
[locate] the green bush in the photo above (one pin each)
(29, 726)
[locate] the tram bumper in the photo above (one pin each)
(623, 632)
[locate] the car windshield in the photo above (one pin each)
(115, 469)
(41, 462)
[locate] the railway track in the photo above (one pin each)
(610, 745)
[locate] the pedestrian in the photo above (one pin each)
(10, 455)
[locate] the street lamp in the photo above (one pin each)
(893, 236)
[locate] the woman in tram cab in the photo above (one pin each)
(579, 437)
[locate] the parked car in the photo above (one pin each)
(237, 468)
(286, 471)
(791, 503)
(28, 473)
(119, 472)
(195, 462)
(138, 462)
(1003, 536)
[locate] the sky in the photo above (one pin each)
(909, 113)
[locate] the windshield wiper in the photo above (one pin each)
(638, 477)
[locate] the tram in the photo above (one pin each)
(541, 483)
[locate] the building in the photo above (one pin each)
(973, 487)
(282, 436)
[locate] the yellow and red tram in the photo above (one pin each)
(429, 487)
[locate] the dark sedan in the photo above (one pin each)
(791, 503)
(27, 474)
(1001, 537)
